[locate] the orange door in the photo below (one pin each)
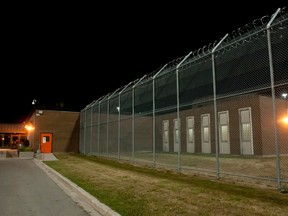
(46, 142)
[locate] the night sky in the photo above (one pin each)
(70, 55)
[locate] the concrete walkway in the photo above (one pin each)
(88, 202)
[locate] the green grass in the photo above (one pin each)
(136, 190)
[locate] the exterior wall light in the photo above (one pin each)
(29, 127)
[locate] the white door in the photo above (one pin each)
(165, 136)
(205, 133)
(246, 135)
(190, 139)
(224, 134)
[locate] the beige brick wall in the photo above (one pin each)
(63, 125)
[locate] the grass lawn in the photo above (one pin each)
(136, 190)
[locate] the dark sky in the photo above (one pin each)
(77, 53)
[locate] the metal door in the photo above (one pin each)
(46, 142)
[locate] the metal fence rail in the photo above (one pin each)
(218, 111)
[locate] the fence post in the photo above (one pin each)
(273, 98)
(215, 105)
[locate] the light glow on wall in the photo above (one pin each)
(29, 127)
(285, 120)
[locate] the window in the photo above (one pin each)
(190, 139)
(224, 133)
(176, 135)
(165, 131)
(190, 135)
(246, 132)
(224, 126)
(190, 129)
(206, 128)
(206, 134)
(165, 136)
(165, 143)
(246, 129)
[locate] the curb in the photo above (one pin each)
(86, 200)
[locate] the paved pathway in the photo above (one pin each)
(27, 191)
(29, 187)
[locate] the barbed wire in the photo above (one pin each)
(247, 33)
(238, 37)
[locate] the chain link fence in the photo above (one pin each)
(219, 111)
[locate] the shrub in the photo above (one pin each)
(26, 148)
